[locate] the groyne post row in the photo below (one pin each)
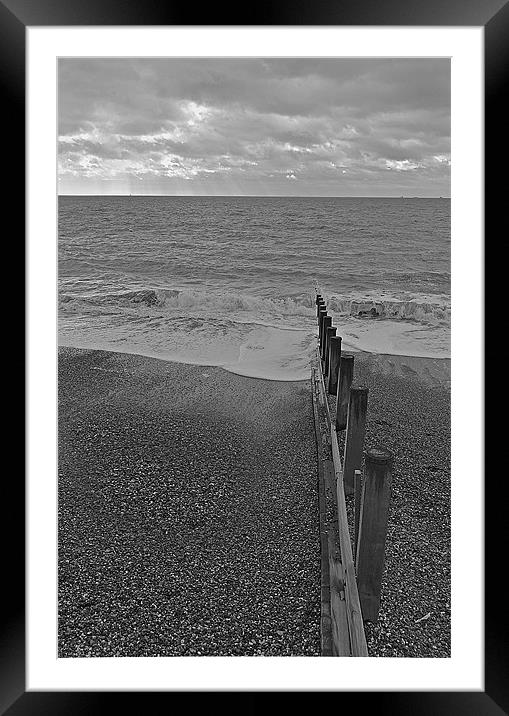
(364, 474)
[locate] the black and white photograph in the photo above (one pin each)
(254, 364)
(254, 255)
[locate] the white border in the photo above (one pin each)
(464, 671)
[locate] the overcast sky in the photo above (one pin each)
(341, 127)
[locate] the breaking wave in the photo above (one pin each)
(421, 309)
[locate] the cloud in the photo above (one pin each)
(333, 126)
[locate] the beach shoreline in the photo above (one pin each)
(188, 509)
(428, 370)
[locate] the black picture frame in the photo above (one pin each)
(15, 17)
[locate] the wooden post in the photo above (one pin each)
(322, 311)
(376, 492)
(344, 383)
(357, 481)
(326, 324)
(319, 312)
(318, 297)
(334, 358)
(329, 333)
(319, 305)
(321, 316)
(355, 432)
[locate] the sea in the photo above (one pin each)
(232, 281)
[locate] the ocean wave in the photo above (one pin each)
(427, 311)
(199, 299)
(297, 308)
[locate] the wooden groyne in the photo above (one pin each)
(352, 559)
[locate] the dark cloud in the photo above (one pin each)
(270, 126)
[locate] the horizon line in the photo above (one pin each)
(274, 196)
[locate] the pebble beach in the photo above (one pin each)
(188, 509)
(409, 413)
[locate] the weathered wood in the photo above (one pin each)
(321, 315)
(345, 378)
(329, 333)
(322, 393)
(357, 481)
(330, 482)
(354, 613)
(326, 324)
(325, 612)
(355, 432)
(319, 305)
(318, 298)
(339, 619)
(376, 491)
(352, 602)
(334, 359)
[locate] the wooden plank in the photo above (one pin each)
(354, 613)
(325, 613)
(322, 399)
(339, 620)
(336, 456)
(376, 494)
(355, 432)
(330, 481)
